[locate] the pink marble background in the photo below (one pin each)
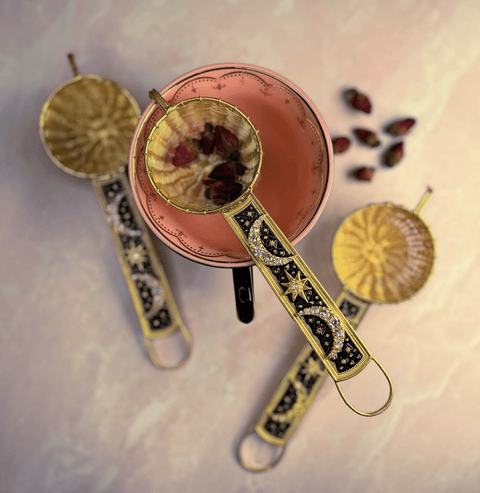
(82, 409)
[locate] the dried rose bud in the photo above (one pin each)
(225, 141)
(358, 100)
(224, 172)
(208, 138)
(400, 127)
(240, 168)
(364, 173)
(340, 144)
(393, 154)
(184, 155)
(221, 193)
(367, 137)
(234, 156)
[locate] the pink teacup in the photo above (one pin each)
(295, 178)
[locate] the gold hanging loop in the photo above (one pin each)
(270, 464)
(378, 411)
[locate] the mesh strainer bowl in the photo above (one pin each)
(183, 186)
(383, 253)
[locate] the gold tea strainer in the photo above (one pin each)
(382, 253)
(86, 126)
(184, 184)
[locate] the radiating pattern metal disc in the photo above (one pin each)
(383, 253)
(87, 125)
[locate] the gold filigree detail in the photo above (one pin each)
(299, 407)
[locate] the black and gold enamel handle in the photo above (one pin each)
(150, 291)
(295, 393)
(338, 347)
(302, 383)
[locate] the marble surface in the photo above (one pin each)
(82, 409)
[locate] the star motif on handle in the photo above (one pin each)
(136, 255)
(296, 286)
(313, 368)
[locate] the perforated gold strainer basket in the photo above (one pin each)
(183, 186)
(383, 253)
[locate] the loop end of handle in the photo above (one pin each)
(272, 454)
(155, 359)
(378, 411)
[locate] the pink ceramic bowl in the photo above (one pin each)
(296, 173)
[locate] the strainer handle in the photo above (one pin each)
(151, 294)
(293, 396)
(327, 330)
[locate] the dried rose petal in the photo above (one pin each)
(221, 193)
(184, 155)
(340, 144)
(358, 100)
(400, 127)
(393, 154)
(365, 173)
(225, 141)
(367, 137)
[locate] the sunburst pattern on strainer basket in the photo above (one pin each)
(88, 124)
(383, 253)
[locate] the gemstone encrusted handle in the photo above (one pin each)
(327, 330)
(302, 382)
(292, 398)
(146, 279)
